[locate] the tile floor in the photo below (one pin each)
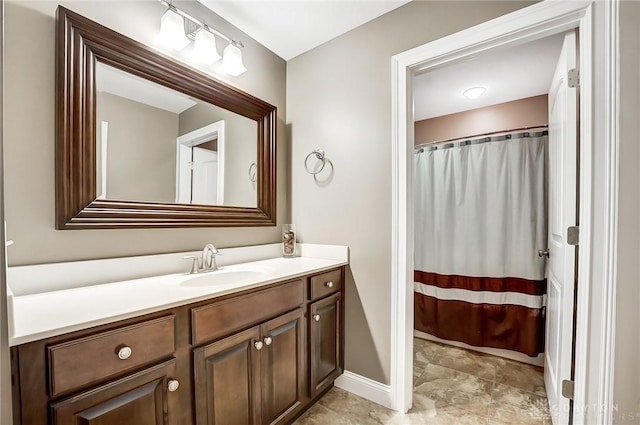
(451, 386)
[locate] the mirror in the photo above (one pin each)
(159, 145)
(146, 141)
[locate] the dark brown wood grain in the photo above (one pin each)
(325, 343)
(282, 366)
(227, 380)
(324, 284)
(81, 44)
(140, 399)
(86, 360)
(222, 318)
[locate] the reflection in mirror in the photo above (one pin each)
(155, 144)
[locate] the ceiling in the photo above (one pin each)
(291, 27)
(123, 84)
(508, 74)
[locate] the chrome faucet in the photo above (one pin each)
(205, 263)
(209, 261)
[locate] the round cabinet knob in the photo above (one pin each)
(544, 253)
(316, 317)
(124, 353)
(329, 284)
(258, 345)
(268, 340)
(173, 385)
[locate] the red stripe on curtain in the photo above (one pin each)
(493, 284)
(506, 326)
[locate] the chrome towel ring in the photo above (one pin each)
(319, 154)
(253, 172)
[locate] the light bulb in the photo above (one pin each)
(232, 61)
(172, 30)
(204, 47)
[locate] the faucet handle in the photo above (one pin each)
(195, 265)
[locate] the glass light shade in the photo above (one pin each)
(232, 61)
(172, 31)
(474, 92)
(204, 47)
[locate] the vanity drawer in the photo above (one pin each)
(325, 284)
(80, 362)
(228, 316)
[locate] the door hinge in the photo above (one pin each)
(191, 165)
(573, 78)
(567, 389)
(573, 235)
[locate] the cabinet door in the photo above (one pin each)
(324, 340)
(227, 380)
(282, 366)
(140, 399)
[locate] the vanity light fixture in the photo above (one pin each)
(173, 35)
(474, 92)
(172, 32)
(232, 60)
(204, 46)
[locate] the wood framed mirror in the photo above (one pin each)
(83, 50)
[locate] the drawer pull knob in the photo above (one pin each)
(329, 284)
(316, 317)
(173, 385)
(258, 345)
(124, 353)
(268, 340)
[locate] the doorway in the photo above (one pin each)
(492, 195)
(597, 197)
(200, 165)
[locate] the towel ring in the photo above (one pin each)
(319, 153)
(253, 172)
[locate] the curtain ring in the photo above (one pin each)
(319, 153)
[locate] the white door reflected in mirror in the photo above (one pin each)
(200, 166)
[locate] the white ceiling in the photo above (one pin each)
(123, 84)
(508, 74)
(291, 27)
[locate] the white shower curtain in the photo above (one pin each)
(480, 219)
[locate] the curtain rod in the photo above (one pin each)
(476, 136)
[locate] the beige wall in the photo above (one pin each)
(141, 149)
(339, 99)
(528, 112)
(5, 368)
(240, 150)
(627, 370)
(30, 134)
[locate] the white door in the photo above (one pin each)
(562, 215)
(204, 179)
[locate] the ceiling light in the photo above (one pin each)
(474, 92)
(204, 46)
(172, 30)
(232, 60)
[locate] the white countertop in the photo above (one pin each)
(41, 315)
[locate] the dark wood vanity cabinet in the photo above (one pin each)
(265, 365)
(324, 343)
(259, 356)
(325, 330)
(140, 399)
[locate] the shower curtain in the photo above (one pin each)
(480, 219)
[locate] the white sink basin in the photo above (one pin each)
(224, 276)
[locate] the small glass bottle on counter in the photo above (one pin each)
(288, 240)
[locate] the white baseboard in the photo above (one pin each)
(366, 388)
